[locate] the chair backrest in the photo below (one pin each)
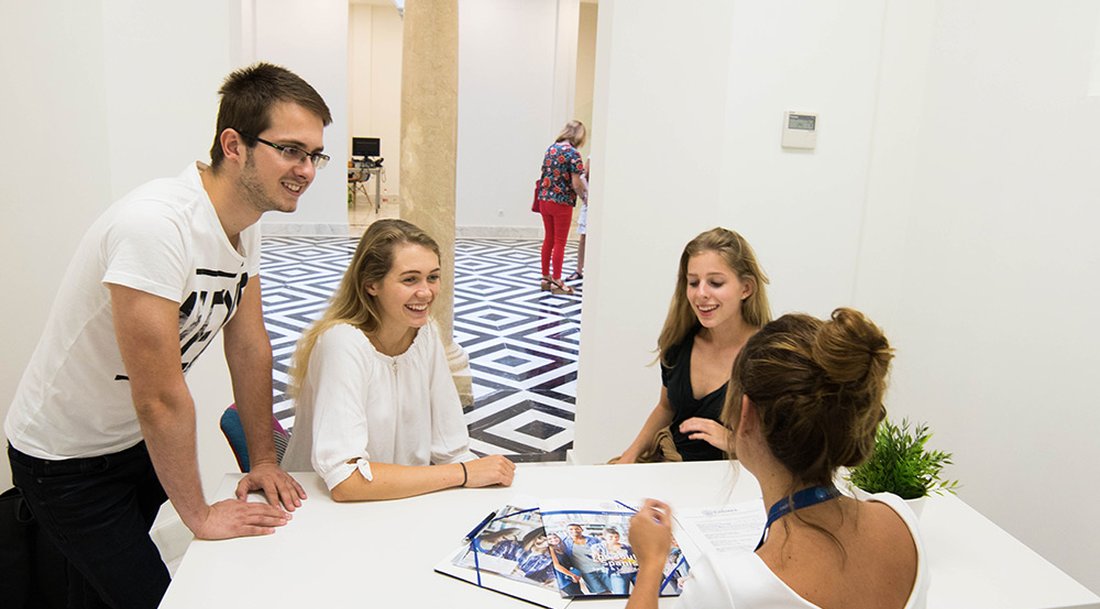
(234, 434)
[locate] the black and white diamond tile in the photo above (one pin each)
(297, 275)
(526, 425)
(522, 342)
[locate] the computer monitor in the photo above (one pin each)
(366, 147)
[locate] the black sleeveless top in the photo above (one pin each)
(677, 381)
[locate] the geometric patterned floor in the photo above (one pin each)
(522, 343)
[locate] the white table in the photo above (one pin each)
(381, 554)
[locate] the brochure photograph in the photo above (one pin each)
(589, 546)
(509, 553)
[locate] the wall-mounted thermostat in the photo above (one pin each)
(799, 130)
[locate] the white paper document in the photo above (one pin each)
(723, 529)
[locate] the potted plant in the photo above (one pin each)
(901, 464)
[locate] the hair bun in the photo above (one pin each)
(852, 349)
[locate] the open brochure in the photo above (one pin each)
(593, 552)
(563, 549)
(510, 555)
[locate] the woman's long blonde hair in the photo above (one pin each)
(351, 303)
(739, 256)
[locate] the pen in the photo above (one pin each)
(480, 525)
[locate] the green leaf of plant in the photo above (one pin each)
(901, 464)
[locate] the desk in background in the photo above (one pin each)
(358, 175)
(381, 554)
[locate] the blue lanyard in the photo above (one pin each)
(802, 499)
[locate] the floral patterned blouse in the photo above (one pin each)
(558, 166)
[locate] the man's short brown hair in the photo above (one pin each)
(248, 94)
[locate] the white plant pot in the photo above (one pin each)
(917, 505)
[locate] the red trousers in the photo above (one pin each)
(556, 218)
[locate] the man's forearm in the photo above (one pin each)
(169, 431)
(248, 353)
(251, 374)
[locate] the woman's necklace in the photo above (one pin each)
(392, 348)
(802, 499)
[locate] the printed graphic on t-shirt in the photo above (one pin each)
(207, 309)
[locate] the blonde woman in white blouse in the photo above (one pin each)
(377, 414)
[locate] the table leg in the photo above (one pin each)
(377, 193)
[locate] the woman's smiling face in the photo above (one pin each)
(407, 291)
(714, 289)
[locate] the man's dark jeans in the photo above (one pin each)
(98, 512)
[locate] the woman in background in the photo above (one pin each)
(805, 398)
(377, 412)
(582, 227)
(719, 302)
(561, 183)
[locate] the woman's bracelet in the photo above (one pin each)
(465, 476)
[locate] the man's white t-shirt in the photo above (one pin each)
(164, 238)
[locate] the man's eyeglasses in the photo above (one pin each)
(293, 154)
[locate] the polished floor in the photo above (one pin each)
(522, 342)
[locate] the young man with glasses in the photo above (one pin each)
(102, 427)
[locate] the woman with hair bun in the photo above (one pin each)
(719, 302)
(805, 398)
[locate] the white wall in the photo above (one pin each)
(801, 210)
(374, 81)
(660, 173)
(991, 218)
(519, 65)
(161, 101)
(58, 176)
(311, 38)
(506, 77)
(951, 196)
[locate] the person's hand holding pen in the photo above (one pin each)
(651, 539)
(651, 532)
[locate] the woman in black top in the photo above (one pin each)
(719, 302)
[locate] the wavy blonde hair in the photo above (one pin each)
(351, 303)
(740, 257)
(574, 133)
